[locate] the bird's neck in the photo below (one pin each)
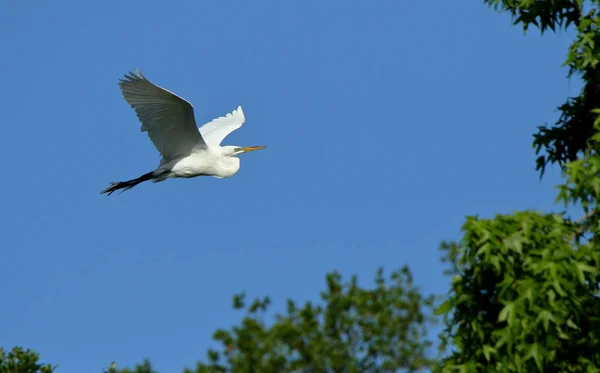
(230, 166)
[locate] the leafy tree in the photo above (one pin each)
(22, 361)
(353, 330)
(524, 295)
(144, 367)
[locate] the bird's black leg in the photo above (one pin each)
(126, 185)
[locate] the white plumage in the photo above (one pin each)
(186, 150)
(216, 130)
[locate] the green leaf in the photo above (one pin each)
(514, 242)
(488, 351)
(586, 268)
(546, 316)
(496, 263)
(444, 307)
(558, 288)
(572, 325)
(535, 353)
(506, 312)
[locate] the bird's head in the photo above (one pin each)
(234, 150)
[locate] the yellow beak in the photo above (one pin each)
(253, 148)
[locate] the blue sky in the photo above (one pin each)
(386, 124)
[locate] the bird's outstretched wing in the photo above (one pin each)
(216, 130)
(168, 118)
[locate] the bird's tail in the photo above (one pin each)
(126, 185)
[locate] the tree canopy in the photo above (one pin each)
(524, 295)
(354, 329)
(19, 360)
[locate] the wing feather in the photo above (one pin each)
(167, 118)
(216, 130)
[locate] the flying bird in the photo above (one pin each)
(186, 150)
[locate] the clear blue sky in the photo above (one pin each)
(386, 124)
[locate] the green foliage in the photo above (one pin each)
(354, 330)
(22, 361)
(144, 367)
(524, 298)
(524, 294)
(570, 136)
(547, 14)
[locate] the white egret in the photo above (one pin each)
(186, 150)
